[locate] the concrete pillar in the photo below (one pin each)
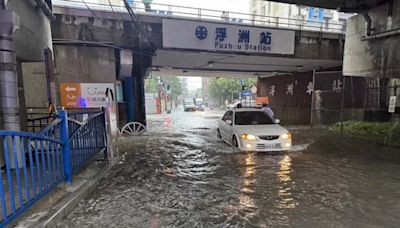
(140, 65)
(9, 103)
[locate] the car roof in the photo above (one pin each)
(247, 110)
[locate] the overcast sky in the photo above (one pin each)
(242, 6)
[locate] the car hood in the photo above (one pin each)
(268, 129)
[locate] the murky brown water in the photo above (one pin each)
(184, 177)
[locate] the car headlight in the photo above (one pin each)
(248, 137)
(286, 136)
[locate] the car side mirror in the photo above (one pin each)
(277, 121)
(228, 122)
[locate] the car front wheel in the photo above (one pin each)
(235, 142)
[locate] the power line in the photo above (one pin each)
(89, 9)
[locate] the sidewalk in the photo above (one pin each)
(51, 209)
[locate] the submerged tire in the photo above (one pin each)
(235, 142)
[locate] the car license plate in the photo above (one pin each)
(272, 146)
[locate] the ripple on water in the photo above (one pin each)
(188, 178)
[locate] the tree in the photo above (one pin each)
(176, 87)
(151, 85)
(222, 89)
(174, 82)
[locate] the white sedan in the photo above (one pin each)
(251, 129)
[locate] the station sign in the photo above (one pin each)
(226, 37)
(85, 95)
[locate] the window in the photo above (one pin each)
(228, 116)
(252, 118)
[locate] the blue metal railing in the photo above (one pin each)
(35, 163)
(36, 124)
(87, 140)
(33, 166)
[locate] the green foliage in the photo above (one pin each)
(223, 88)
(151, 85)
(384, 132)
(176, 87)
(174, 82)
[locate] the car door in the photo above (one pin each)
(229, 127)
(224, 126)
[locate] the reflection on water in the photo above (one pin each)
(284, 192)
(247, 204)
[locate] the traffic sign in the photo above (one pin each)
(246, 93)
(253, 89)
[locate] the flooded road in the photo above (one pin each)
(181, 175)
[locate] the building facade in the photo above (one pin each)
(281, 14)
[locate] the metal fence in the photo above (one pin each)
(34, 163)
(174, 11)
(87, 140)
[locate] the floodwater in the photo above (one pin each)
(181, 175)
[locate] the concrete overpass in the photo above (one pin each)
(99, 43)
(310, 47)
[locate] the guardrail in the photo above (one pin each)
(87, 140)
(35, 163)
(173, 11)
(33, 167)
(37, 124)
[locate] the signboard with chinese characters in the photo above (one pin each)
(84, 95)
(223, 37)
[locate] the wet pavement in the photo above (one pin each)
(181, 175)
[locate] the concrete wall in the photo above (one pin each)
(73, 64)
(373, 58)
(290, 108)
(34, 34)
(290, 97)
(84, 64)
(35, 84)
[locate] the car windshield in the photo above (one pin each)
(252, 118)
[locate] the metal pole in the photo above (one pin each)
(66, 148)
(51, 82)
(312, 101)
(342, 106)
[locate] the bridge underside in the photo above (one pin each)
(209, 64)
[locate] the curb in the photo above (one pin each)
(69, 204)
(82, 185)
